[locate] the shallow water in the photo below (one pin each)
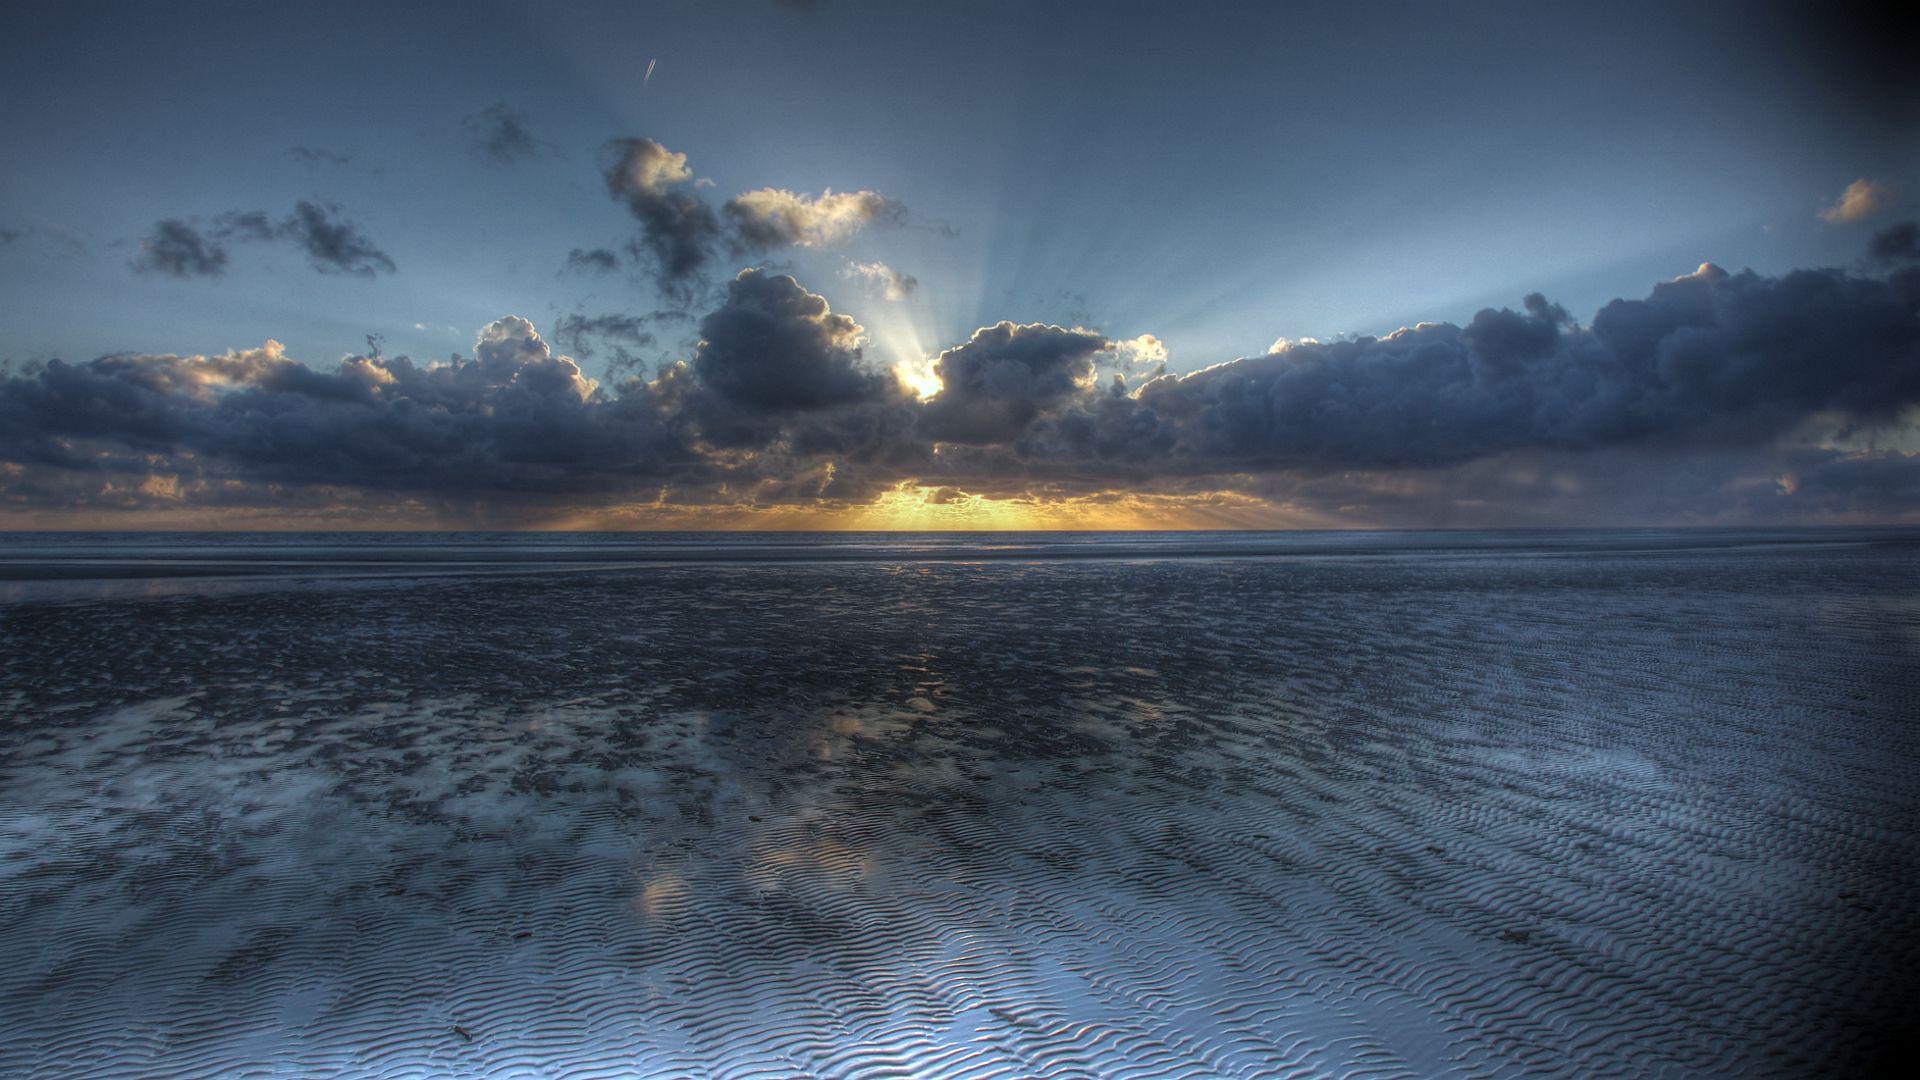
(1157, 805)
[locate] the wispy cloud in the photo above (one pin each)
(502, 134)
(883, 281)
(332, 244)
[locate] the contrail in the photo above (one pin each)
(649, 74)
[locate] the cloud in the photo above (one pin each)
(676, 227)
(177, 249)
(502, 135)
(772, 346)
(1715, 397)
(997, 383)
(592, 261)
(1862, 199)
(333, 246)
(681, 232)
(516, 419)
(1709, 358)
(1143, 357)
(883, 281)
(773, 218)
(621, 335)
(1896, 243)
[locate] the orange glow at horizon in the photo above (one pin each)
(915, 507)
(909, 506)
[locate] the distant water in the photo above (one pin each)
(1522, 803)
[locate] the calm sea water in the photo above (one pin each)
(1173, 805)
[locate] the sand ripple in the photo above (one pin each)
(1488, 817)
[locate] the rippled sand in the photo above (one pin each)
(1395, 813)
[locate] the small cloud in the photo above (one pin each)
(676, 228)
(501, 134)
(773, 218)
(592, 261)
(332, 245)
(313, 155)
(177, 249)
(882, 280)
(680, 232)
(1862, 199)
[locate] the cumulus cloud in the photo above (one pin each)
(1716, 396)
(772, 346)
(1706, 358)
(1862, 199)
(502, 134)
(682, 232)
(883, 281)
(997, 383)
(515, 418)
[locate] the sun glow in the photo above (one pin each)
(910, 507)
(918, 376)
(915, 507)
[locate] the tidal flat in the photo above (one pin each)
(1500, 804)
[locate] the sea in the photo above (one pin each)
(1607, 803)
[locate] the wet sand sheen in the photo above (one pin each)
(1395, 814)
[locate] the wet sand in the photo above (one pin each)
(1588, 805)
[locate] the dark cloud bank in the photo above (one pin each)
(1716, 397)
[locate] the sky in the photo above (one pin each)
(881, 265)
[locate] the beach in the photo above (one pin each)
(1500, 804)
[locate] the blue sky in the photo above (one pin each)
(1217, 175)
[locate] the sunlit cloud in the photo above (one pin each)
(787, 412)
(882, 281)
(773, 218)
(919, 376)
(1862, 199)
(682, 232)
